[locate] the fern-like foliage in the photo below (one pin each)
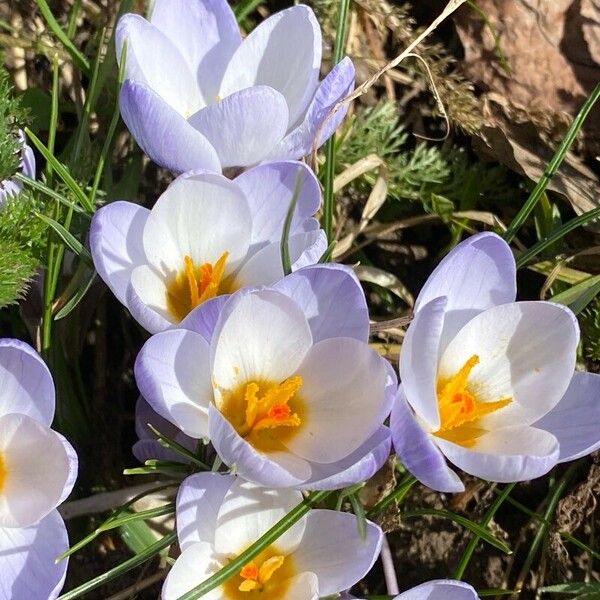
(12, 116)
(589, 320)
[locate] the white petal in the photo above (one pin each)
(343, 390)
(283, 52)
(441, 589)
(262, 336)
(201, 216)
(248, 511)
(333, 549)
(37, 469)
(506, 455)
(147, 299)
(303, 587)
(526, 352)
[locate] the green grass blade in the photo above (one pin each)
(580, 295)
(76, 298)
(69, 239)
(286, 260)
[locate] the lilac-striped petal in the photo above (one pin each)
(27, 556)
(419, 361)
(203, 319)
(116, 244)
(162, 133)
(506, 455)
(244, 126)
(575, 420)
(269, 189)
(333, 549)
(478, 274)
(332, 300)
(199, 500)
(26, 384)
(418, 452)
(320, 122)
(441, 589)
(172, 373)
(283, 52)
(73, 468)
(206, 34)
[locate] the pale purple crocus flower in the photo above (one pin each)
(205, 236)
(280, 379)
(11, 187)
(220, 516)
(38, 468)
(439, 589)
(197, 96)
(489, 383)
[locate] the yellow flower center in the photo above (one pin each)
(196, 284)
(266, 414)
(3, 472)
(460, 411)
(266, 577)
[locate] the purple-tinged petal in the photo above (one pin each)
(116, 244)
(441, 589)
(206, 34)
(28, 555)
(162, 133)
(419, 361)
(198, 502)
(418, 452)
(575, 420)
(332, 300)
(333, 549)
(148, 310)
(359, 466)
(506, 455)
(28, 162)
(320, 122)
(203, 319)
(283, 52)
(154, 61)
(476, 275)
(26, 384)
(248, 463)
(172, 373)
(73, 469)
(244, 126)
(269, 189)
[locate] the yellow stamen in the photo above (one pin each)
(460, 411)
(196, 284)
(3, 473)
(255, 577)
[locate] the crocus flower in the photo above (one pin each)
(11, 187)
(281, 380)
(440, 589)
(38, 468)
(205, 236)
(220, 516)
(487, 382)
(198, 97)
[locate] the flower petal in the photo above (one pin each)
(147, 299)
(203, 319)
(418, 452)
(32, 487)
(263, 336)
(153, 60)
(248, 511)
(358, 466)
(162, 133)
(73, 469)
(303, 587)
(575, 420)
(28, 555)
(201, 216)
(196, 563)
(332, 299)
(419, 360)
(198, 503)
(26, 384)
(506, 455)
(206, 34)
(333, 549)
(476, 275)
(172, 373)
(283, 52)
(269, 189)
(275, 470)
(319, 123)
(244, 126)
(345, 407)
(526, 352)
(441, 589)
(116, 244)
